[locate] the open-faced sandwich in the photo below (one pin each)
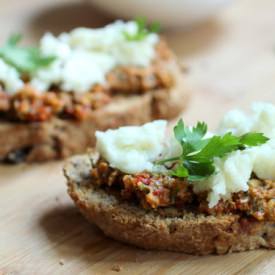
(54, 97)
(193, 191)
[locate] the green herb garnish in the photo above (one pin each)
(142, 30)
(25, 59)
(197, 159)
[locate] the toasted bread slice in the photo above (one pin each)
(60, 138)
(181, 231)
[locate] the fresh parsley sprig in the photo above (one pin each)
(197, 159)
(24, 59)
(142, 30)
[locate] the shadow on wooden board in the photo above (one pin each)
(74, 237)
(75, 240)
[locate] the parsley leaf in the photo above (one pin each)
(198, 153)
(142, 30)
(199, 170)
(180, 171)
(253, 139)
(24, 59)
(190, 139)
(217, 146)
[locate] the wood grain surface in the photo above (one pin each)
(230, 62)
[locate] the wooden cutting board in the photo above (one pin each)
(230, 61)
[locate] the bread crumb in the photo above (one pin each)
(116, 267)
(61, 262)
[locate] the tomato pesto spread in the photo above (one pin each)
(156, 191)
(76, 73)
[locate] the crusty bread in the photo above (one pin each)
(181, 231)
(60, 138)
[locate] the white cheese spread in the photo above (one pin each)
(264, 161)
(9, 78)
(260, 120)
(233, 171)
(84, 69)
(231, 175)
(133, 149)
(84, 56)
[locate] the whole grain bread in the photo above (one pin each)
(60, 138)
(171, 230)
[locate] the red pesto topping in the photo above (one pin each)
(156, 191)
(145, 179)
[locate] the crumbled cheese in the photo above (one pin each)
(233, 171)
(232, 175)
(133, 149)
(53, 46)
(83, 69)
(84, 56)
(111, 40)
(235, 121)
(264, 161)
(44, 78)
(51, 75)
(261, 120)
(9, 78)
(101, 39)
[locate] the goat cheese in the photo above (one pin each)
(232, 175)
(84, 56)
(261, 120)
(264, 161)
(9, 78)
(133, 149)
(233, 172)
(83, 69)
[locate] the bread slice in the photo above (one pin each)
(181, 231)
(60, 138)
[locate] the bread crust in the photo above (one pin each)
(60, 138)
(182, 232)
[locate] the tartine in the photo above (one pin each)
(195, 191)
(80, 82)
